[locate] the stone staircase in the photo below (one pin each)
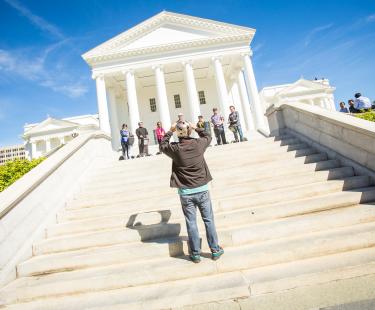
(287, 216)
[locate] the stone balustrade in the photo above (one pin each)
(31, 203)
(342, 136)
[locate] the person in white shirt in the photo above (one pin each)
(361, 102)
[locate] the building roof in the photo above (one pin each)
(48, 125)
(168, 31)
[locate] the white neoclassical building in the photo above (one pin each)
(317, 93)
(44, 137)
(174, 63)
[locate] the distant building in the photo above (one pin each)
(12, 152)
(42, 138)
(316, 93)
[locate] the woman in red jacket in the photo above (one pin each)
(160, 133)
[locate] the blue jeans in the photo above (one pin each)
(203, 202)
(239, 130)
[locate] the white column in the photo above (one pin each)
(236, 101)
(192, 92)
(114, 124)
(132, 101)
(245, 101)
(61, 140)
(331, 104)
(253, 91)
(33, 150)
(311, 102)
(163, 107)
(48, 145)
(221, 88)
(102, 105)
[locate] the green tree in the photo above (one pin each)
(12, 170)
(370, 116)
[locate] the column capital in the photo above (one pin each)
(214, 58)
(125, 72)
(248, 53)
(94, 76)
(187, 62)
(159, 66)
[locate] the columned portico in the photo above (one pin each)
(221, 87)
(253, 91)
(102, 105)
(191, 91)
(132, 100)
(165, 116)
(176, 64)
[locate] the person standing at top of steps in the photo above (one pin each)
(218, 123)
(190, 174)
(142, 135)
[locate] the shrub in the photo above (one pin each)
(370, 116)
(11, 171)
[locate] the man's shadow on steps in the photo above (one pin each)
(154, 227)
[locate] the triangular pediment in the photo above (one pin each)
(167, 34)
(50, 125)
(302, 86)
(168, 29)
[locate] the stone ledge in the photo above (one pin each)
(26, 184)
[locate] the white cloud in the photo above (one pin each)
(20, 63)
(38, 21)
(314, 31)
(370, 18)
(257, 47)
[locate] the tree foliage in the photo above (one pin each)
(12, 170)
(369, 116)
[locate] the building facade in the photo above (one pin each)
(42, 138)
(12, 152)
(317, 93)
(170, 64)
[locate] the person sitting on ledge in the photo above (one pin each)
(351, 106)
(343, 108)
(361, 102)
(190, 175)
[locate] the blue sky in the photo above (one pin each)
(42, 72)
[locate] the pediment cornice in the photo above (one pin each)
(167, 47)
(224, 33)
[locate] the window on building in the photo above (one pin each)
(177, 101)
(153, 104)
(202, 98)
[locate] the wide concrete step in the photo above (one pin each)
(313, 162)
(262, 145)
(257, 255)
(261, 279)
(251, 185)
(247, 201)
(161, 165)
(220, 201)
(130, 233)
(216, 162)
(231, 235)
(221, 181)
(154, 296)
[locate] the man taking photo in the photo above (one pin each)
(190, 174)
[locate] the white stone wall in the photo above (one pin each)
(31, 203)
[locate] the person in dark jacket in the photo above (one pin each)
(235, 124)
(190, 174)
(142, 135)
